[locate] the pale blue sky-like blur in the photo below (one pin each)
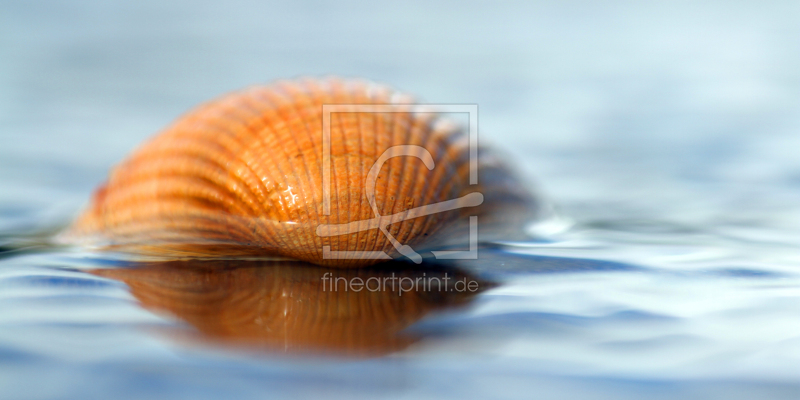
(609, 90)
(600, 102)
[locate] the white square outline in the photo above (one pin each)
(470, 109)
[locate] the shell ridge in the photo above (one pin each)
(417, 130)
(242, 133)
(139, 223)
(155, 191)
(400, 120)
(349, 119)
(379, 123)
(231, 121)
(325, 91)
(439, 187)
(254, 184)
(176, 185)
(319, 94)
(238, 133)
(359, 95)
(294, 109)
(267, 117)
(253, 135)
(341, 121)
(214, 172)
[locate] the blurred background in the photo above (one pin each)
(590, 96)
(665, 132)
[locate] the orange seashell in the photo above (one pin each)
(243, 176)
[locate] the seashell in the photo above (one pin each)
(295, 307)
(243, 176)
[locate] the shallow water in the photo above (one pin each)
(665, 135)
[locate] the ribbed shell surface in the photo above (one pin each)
(242, 176)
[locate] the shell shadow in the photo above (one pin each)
(297, 308)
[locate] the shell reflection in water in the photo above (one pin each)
(295, 307)
(243, 176)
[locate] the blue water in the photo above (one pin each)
(665, 135)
